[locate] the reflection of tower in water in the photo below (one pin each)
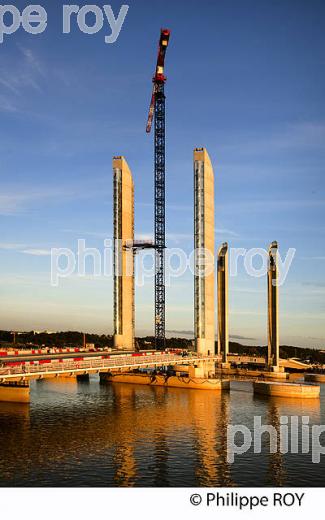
(291, 410)
(125, 465)
(139, 409)
(124, 457)
(210, 412)
(277, 472)
(163, 416)
(161, 452)
(161, 449)
(15, 431)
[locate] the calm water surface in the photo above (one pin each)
(87, 434)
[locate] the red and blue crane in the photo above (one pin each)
(157, 113)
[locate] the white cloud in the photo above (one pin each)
(16, 280)
(23, 248)
(11, 203)
(11, 246)
(36, 252)
(292, 136)
(143, 236)
(6, 105)
(32, 60)
(16, 200)
(94, 234)
(270, 204)
(184, 237)
(322, 258)
(17, 77)
(225, 231)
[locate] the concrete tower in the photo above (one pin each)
(223, 337)
(204, 322)
(123, 255)
(273, 308)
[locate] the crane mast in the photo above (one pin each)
(157, 112)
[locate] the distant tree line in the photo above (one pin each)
(75, 339)
(55, 339)
(286, 352)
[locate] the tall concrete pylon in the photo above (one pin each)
(204, 308)
(273, 307)
(223, 335)
(123, 195)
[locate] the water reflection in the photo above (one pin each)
(210, 412)
(87, 434)
(277, 471)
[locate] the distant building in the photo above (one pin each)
(40, 332)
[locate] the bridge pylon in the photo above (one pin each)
(273, 358)
(204, 296)
(223, 334)
(123, 218)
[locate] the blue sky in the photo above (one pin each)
(246, 79)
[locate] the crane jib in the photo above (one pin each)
(159, 76)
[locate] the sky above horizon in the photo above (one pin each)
(246, 80)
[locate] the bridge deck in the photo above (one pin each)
(91, 366)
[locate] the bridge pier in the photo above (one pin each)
(203, 369)
(83, 377)
(294, 390)
(186, 382)
(315, 378)
(15, 391)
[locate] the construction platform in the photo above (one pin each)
(315, 378)
(197, 383)
(277, 389)
(15, 392)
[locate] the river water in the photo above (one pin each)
(90, 434)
